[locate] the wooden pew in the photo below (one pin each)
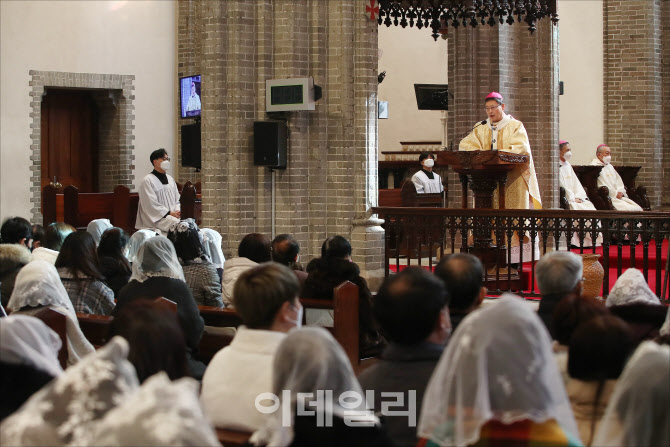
(232, 438)
(57, 321)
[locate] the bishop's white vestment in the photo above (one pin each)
(610, 178)
(574, 190)
(426, 185)
(156, 203)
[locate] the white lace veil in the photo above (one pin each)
(629, 288)
(96, 227)
(136, 240)
(211, 242)
(27, 340)
(638, 413)
(156, 258)
(499, 366)
(306, 361)
(38, 284)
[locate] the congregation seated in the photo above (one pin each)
(136, 240)
(497, 384)
(597, 354)
(254, 249)
(37, 287)
(211, 242)
(28, 360)
(571, 312)
(16, 238)
(97, 227)
(38, 234)
(79, 270)
(114, 265)
(632, 300)
(332, 269)
(200, 274)
(309, 360)
(54, 236)
(637, 414)
(559, 274)
(266, 298)
(157, 273)
(463, 276)
(612, 180)
(155, 340)
(286, 251)
(411, 308)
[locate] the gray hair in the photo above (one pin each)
(601, 148)
(558, 272)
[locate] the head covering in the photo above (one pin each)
(187, 241)
(28, 340)
(156, 258)
(211, 242)
(561, 142)
(494, 95)
(38, 284)
(665, 329)
(601, 145)
(97, 227)
(629, 288)
(498, 365)
(309, 360)
(136, 240)
(637, 413)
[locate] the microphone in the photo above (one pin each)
(451, 145)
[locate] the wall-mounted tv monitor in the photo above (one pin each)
(189, 92)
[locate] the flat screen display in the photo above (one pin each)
(286, 94)
(190, 96)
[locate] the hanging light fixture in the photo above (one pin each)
(440, 14)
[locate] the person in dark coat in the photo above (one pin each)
(157, 273)
(329, 271)
(113, 262)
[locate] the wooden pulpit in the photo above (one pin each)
(484, 171)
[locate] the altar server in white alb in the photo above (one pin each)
(426, 181)
(610, 178)
(159, 206)
(574, 191)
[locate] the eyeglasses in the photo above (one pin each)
(488, 109)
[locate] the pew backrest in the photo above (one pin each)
(57, 321)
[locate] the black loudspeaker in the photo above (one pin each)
(270, 144)
(190, 145)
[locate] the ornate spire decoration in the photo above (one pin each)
(440, 14)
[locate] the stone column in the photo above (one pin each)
(635, 122)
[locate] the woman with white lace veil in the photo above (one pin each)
(157, 273)
(211, 242)
(38, 286)
(498, 381)
(96, 227)
(637, 413)
(310, 360)
(136, 240)
(631, 288)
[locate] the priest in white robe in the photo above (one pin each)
(504, 133)
(610, 178)
(574, 191)
(426, 181)
(159, 206)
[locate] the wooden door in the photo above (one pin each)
(69, 126)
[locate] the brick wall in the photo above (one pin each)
(633, 33)
(331, 180)
(524, 69)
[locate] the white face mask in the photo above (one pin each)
(165, 165)
(607, 159)
(298, 321)
(429, 162)
(567, 155)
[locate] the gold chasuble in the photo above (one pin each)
(511, 136)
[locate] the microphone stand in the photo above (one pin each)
(461, 136)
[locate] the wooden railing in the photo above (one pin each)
(411, 233)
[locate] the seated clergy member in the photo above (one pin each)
(411, 308)
(425, 180)
(159, 205)
(574, 191)
(610, 178)
(266, 297)
(463, 275)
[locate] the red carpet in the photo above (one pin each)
(626, 259)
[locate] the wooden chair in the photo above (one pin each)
(57, 321)
(563, 200)
(637, 194)
(588, 177)
(232, 438)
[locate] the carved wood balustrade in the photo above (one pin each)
(412, 231)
